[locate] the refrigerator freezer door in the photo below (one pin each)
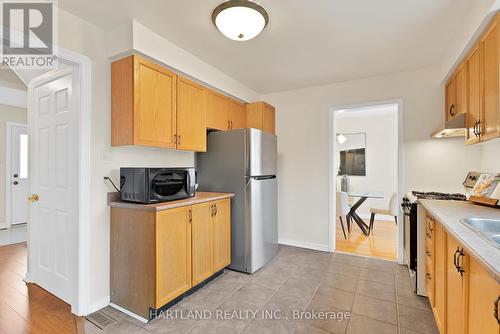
(262, 220)
(261, 153)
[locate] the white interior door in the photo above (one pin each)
(18, 174)
(54, 165)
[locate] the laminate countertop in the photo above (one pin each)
(449, 214)
(200, 197)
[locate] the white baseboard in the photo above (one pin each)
(304, 244)
(96, 306)
(127, 312)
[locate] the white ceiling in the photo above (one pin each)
(307, 42)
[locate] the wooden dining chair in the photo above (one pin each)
(342, 209)
(392, 210)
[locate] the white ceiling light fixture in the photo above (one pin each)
(240, 20)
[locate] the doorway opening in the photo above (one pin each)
(366, 173)
(14, 182)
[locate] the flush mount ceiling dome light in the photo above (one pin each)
(240, 20)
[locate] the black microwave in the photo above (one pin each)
(156, 185)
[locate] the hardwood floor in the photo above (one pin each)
(381, 243)
(27, 308)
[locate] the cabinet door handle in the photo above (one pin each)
(458, 253)
(479, 127)
(190, 216)
(231, 125)
(179, 139)
(474, 131)
(216, 210)
(495, 309)
(452, 110)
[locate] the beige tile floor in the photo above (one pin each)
(366, 295)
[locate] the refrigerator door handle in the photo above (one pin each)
(264, 177)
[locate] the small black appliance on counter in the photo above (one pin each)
(156, 185)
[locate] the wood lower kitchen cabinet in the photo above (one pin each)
(143, 103)
(202, 242)
(430, 253)
(463, 295)
(456, 286)
(483, 295)
(173, 254)
(261, 115)
(439, 308)
(221, 221)
(157, 254)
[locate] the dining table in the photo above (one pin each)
(362, 196)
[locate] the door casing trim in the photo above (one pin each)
(80, 257)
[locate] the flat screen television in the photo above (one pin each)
(352, 162)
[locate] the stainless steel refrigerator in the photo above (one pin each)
(244, 162)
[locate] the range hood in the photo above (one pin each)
(454, 127)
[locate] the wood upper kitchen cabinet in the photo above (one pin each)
(456, 286)
(483, 297)
(143, 103)
(261, 115)
(472, 65)
(451, 98)
(237, 115)
(222, 233)
(490, 117)
(217, 111)
(456, 93)
(173, 254)
(202, 242)
(191, 116)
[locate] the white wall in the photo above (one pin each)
(490, 156)
(381, 129)
(7, 114)
(85, 38)
(303, 146)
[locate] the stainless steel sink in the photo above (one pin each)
(488, 229)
